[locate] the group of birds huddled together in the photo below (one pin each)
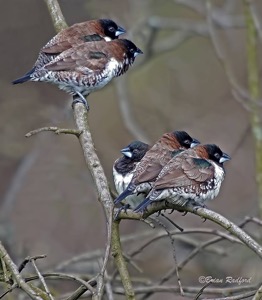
(177, 169)
(83, 58)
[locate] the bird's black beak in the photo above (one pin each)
(119, 31)
(126, 152)
(224, 158)
(138, 51)
(194, 143)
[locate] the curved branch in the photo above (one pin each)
(204, 213)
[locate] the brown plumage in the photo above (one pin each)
(89, 31)
(87, 67)
(193, 175)
(155, 159)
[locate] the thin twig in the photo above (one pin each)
(187, 289)
(16, 275)
(55, 130)
(94, 255)
(253, 220)
(202, 290)
(174, 256)
(27, 260)
(85, 285)
(172, 222)
(129, 259)
(258, 295)
(237, 297)
(160, 235)
(200, 247)
(42, 280)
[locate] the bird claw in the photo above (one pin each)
(79, 98)
(197, 206)
(142, 211)
(124, 207)
(158, 213)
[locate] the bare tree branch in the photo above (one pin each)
(16, 276)
(97, 172)
(119, 261)
(55, 130)
(190, 290)
(41, 278)
(204, 213)
(92, 160)
(56, 15)
(237, 297)
(174, 257)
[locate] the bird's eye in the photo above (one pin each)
(132, 50)
(135, 151)
(217, 156)
(111, 29)
(187, 142)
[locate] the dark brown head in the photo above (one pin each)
(111, 29)
(128, 51)
(212, 152)
(135, 150)
(180, 140)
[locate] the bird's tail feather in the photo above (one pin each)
(143, 205)
(24, 78)
(123, 195)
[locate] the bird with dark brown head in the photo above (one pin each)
(89, 31)
(155, 159)
(124, 168)
(87, 67)
(194, 175)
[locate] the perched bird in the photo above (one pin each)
(124, 167)
(193, 175)
(87, 67)
(155, 159)
(89, 31)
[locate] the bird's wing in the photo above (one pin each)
(83, 58)
(183, 172)
(150, 171)
(69, 37)
(151, 164)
